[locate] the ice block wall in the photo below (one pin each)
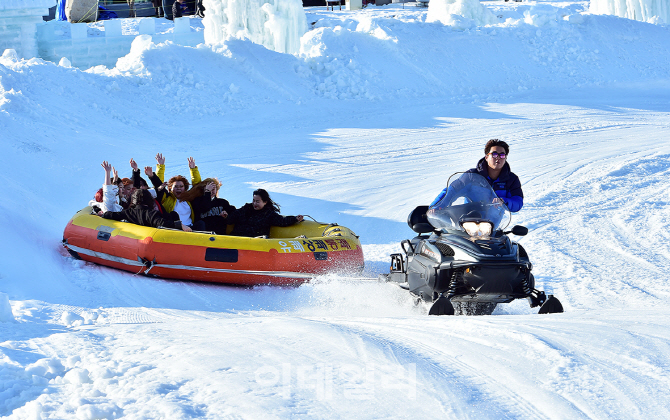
(18, 25)
(85, 46)
(22, 29)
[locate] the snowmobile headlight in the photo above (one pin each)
(478, 228)
(471, 228)
(485, 228)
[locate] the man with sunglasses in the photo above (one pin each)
(494, 167)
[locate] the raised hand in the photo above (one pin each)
(106, 166)
(160, 159)
(133, 164)
(116, 176)
(191, 163)
(149, 171)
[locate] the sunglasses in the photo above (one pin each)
(496, 155)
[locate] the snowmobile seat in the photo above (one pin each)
(418, 221)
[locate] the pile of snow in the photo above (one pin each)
(276, 24)
(654, 11)
(6, 314)
(460, 13)
(365, 124)
(377, 56)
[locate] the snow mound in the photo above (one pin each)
(132, 63)
(276, 24)
(9, 56)
(77, 376)
(48, 368)
(6, 314)
(99, 411)
(71, 319)
(241, 73)
(652, 11)
(460, 13)
(337, 70)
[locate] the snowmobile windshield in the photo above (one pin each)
(469, 199)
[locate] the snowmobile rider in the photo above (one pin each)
(494, 167)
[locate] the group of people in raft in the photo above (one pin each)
(173, 204)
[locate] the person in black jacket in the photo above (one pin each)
(158, 5)
(141, 213)
(180, 9)
(199, 9)
(255, 218)
(208, 207)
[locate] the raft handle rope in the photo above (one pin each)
(327, 231)
(146, 264)
(321, 223)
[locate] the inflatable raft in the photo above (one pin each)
(291, 255)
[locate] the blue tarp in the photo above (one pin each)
(105, 14)
(60, 10)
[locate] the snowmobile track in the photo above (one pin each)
(403, 349)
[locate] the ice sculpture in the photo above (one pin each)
(643, 10)
(276, 24)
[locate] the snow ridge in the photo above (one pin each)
(366, 121)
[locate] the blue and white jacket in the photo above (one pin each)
(507, 186)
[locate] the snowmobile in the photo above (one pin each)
(463, 260)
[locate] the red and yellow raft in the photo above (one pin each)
(291, 255)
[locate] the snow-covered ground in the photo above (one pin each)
(365, 123)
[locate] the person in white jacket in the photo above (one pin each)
(110, 191)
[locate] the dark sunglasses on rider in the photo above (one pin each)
(496, 155)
